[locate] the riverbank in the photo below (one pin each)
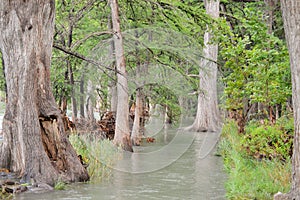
(250, 177)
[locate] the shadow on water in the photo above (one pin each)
(179, 165)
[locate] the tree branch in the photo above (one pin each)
(80, 13)
(79, 42)
(81, 57)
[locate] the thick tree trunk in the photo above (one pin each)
(136, 134)
(122, 134)
(207, 116)
(35, 145)
(291, 18)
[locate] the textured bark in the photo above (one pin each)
(207, 116)
(112, 87)
(122, 134)
(136, 133)
(35, 145)
(291, 18)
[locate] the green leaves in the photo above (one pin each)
(269, 141)
(256, 63)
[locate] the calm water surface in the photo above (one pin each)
(179, 165)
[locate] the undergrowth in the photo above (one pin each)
(249, 177)
(99, 154)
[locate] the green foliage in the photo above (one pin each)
(256, 62)
(60, 185)
(162, 95)
(250, 178)
(99, 154)
(6, 196)
(269, 141)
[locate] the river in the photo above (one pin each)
(178, 165)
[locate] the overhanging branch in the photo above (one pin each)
(81, 57)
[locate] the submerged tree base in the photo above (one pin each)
(193, 128)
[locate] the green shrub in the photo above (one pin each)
(98, 154)
(249, 178)
(269, 141)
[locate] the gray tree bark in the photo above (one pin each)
(112, 87)
(207, 117)
(291, 19)
(89, 102)
(122, 133)
(82, 115)
(136, 134)
(35, 145)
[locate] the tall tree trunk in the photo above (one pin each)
(207, 116)
(73, 98)
(63, 102)
(122, 134)
(71, 72)
(270, 5)
(89, 102)
(291, 18)
(35, 145)
(113, 96)
(138, 112)
(82, 115)
(112, 87)
(136, 128)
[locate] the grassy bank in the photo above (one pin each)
(100, 155)
(251, 177)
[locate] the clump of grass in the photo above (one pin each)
(6, 196)
(99, 154)
(249, 178)
(59, 185)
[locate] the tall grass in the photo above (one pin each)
(249, 178)
(99, 154)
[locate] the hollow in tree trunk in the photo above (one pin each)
(35, 145)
